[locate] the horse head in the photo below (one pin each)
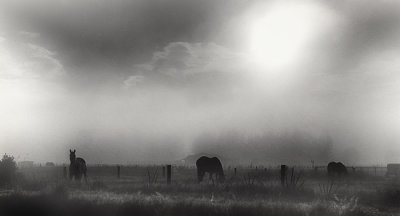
(72, 155)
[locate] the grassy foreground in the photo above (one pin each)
(101, 203)
(245, 194)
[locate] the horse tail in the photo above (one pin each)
(84, 174)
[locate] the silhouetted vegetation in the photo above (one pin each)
(8, 169)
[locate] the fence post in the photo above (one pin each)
(118, 171)
(65, 172)
(163, 171)
(235, 171)
(283, 174)
(292, 176)
(169, 174)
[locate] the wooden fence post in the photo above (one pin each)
(283, 174)
(169, 174)
(292, 176)
(118, 171)
(163, 171)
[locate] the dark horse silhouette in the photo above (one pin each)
(212, 166)
(77, 167)
(336, 169)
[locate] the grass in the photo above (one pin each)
(143, 191)
(109, 203)
(106, 203)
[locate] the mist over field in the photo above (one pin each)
(152, 81)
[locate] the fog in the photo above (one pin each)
(154, 81)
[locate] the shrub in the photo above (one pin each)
(8, 168)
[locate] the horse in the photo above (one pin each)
(77, 167)
(212, 166)
(336, 169)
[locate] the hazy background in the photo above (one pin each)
(152, 81)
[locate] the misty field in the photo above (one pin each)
(143, 190)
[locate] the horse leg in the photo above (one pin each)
(211, 177)
(78, 177)
(84, 175)
(200, 175)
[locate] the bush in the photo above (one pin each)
(8, 168)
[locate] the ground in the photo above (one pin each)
(142, 190)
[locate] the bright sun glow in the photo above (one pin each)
(279, 34)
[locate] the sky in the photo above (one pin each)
(152, 81)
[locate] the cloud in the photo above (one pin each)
(115, 36)
(184, 62)
(202, 73)
(364, 28)
(174, 68)
(31, 35)
(22, 60)
(133, 81)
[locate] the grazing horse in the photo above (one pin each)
(77, 167)
(212, 166)
(336, 169)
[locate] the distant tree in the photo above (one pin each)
(8, 168)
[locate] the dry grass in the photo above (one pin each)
(144, 192)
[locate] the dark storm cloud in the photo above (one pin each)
(92, 36)
(102, 34)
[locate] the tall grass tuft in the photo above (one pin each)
(326, 190)
(295, 182)
(152, 177)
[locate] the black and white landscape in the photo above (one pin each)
(110, 107)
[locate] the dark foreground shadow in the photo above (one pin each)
(47, 205)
